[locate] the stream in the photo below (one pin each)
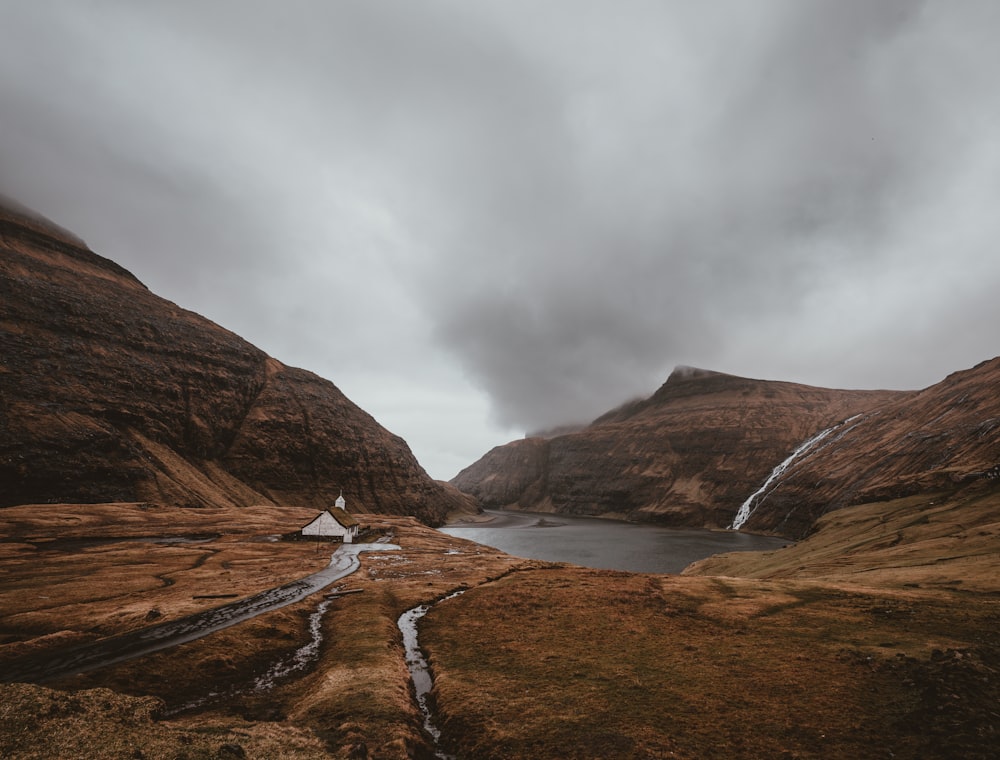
(113, 650)
(419, 669)
(298, 660)
(301, 657)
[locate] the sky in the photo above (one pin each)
(482, 218)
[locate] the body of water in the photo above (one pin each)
(606, 544)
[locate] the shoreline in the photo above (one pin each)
(508, 518)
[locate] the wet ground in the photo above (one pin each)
(420, 672)
(157, 637)
(533, 660)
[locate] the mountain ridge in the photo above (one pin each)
(113, 394)
(683, 456)
(941, 438)
(796, 452)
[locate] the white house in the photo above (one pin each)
(334, 523)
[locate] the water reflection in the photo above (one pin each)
(605, 544)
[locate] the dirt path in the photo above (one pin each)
(110, 651)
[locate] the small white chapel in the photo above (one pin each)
(334, 523)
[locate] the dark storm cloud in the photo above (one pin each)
(552, 202)
(94, 137)
(795, 155)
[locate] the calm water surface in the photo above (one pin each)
(605, 544)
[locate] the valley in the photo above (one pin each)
(154, 467)
(748, 654)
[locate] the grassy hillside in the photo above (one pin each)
(875, 638)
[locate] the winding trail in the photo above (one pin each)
(154, 638)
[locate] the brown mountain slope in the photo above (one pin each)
(111, 393)
(938, 440)
(688, 455)
(929, 540)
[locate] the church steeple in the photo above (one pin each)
(340, 503)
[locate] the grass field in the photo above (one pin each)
(877, 638)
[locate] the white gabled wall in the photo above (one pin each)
(326, 525)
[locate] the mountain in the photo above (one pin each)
(940, 439)
(109, 393)
(688, 455)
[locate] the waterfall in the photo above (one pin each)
(746, 509)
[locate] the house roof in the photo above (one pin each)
(342, 517)
(348, 521)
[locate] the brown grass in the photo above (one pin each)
(569, 663)
(941, 541)
(854, 644)
(41, 723)
(358, 694)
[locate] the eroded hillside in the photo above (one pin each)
(688, 455)
(939, 440)
(111, 393)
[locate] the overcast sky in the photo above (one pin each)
(483, 218)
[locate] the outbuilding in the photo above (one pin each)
(334, 523)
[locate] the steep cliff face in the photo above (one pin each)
(942, 438)
(514, 476)
(690, 454)
(110, 393)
